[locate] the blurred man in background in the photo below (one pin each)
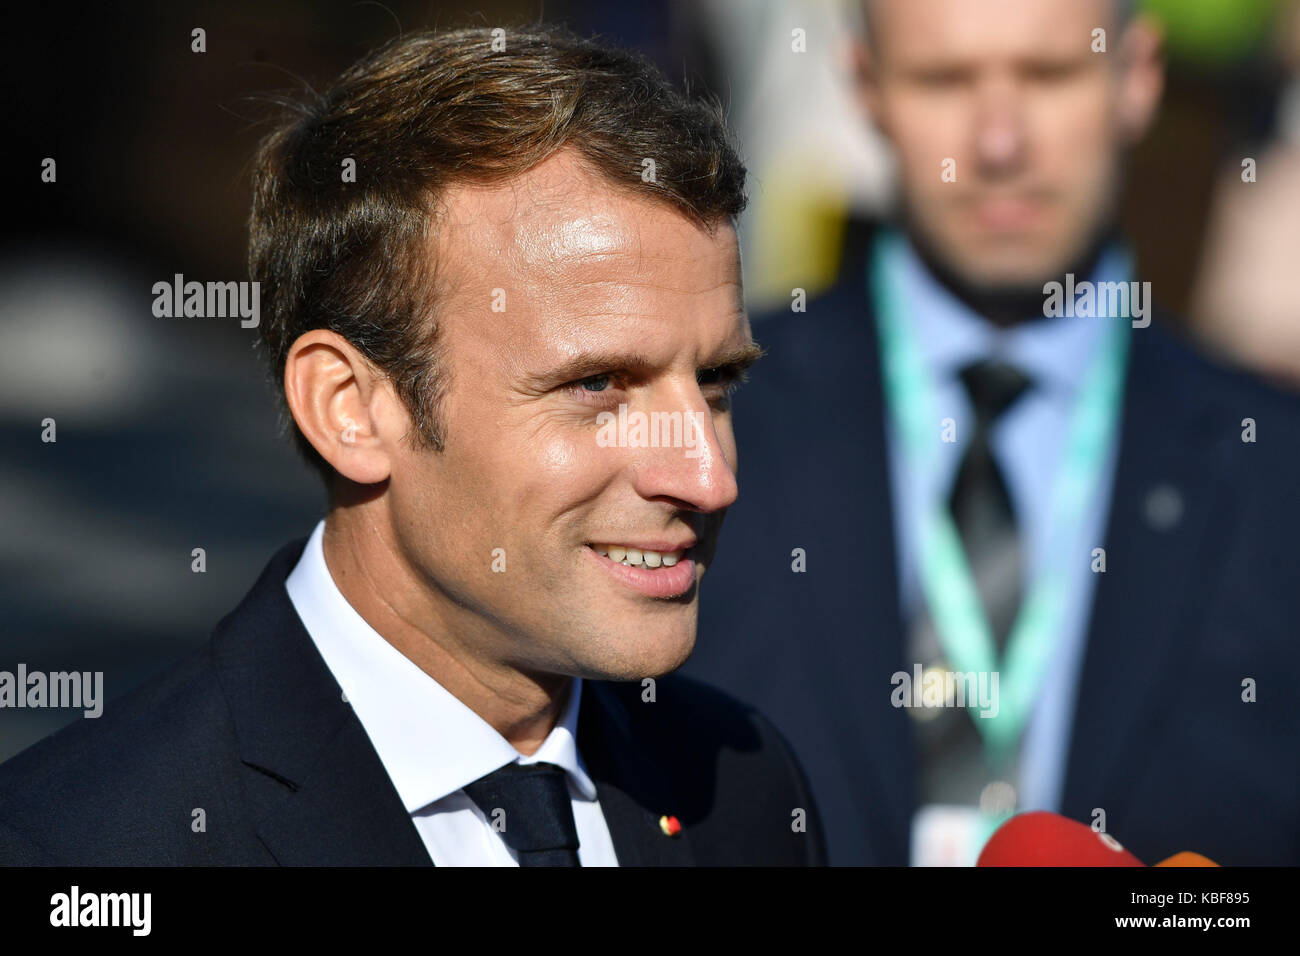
(979, 463)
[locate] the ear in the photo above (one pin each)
(866, 85)
(1142, 81)
(343, 406)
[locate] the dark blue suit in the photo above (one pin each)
(254, 731)
(1161, 739)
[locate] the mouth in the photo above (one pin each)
(664, 571)
(1007, 213)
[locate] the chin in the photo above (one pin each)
(644, 658)
(1022, 272)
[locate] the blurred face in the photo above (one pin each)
(551, 539)
(1032, 119)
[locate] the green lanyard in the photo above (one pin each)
(946, 580)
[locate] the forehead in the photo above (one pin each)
(920, 30)
(560, 234)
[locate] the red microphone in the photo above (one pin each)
(1040, 838)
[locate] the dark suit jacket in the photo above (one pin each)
(253, 730)
(1162, 740)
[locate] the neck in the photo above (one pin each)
(366, 564)
(1007, 306)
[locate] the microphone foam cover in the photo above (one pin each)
(1039, 838)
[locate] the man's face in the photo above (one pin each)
(1033, 120)
(565, 298)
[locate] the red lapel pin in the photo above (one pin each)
(670, 825)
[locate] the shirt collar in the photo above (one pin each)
(1053, 352)
(431, 744)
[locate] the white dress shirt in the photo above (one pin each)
(430, 743)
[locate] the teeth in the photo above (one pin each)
(638, 557)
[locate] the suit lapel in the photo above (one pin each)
(320, 791)
(345, 812)
(630, 787)
(1165, 516)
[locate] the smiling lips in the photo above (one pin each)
(659, 574)
(638, 557)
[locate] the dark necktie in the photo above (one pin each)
(981, 504)
(538, 823)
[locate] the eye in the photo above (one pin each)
(719, 384)
(1051, 72)
(597, 390)
(725, 377)
(939, 78)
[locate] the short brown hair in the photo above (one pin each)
(432, 110)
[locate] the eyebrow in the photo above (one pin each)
(734, 358)
(738, 358)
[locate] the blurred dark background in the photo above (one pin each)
(167, 438)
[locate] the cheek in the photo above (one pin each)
(1075, 140)
(924, 136)
(923, 140)
(556, 474)
(558, 456)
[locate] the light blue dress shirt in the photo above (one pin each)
(1028, 440)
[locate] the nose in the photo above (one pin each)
(695, 473)
(1000, 139)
